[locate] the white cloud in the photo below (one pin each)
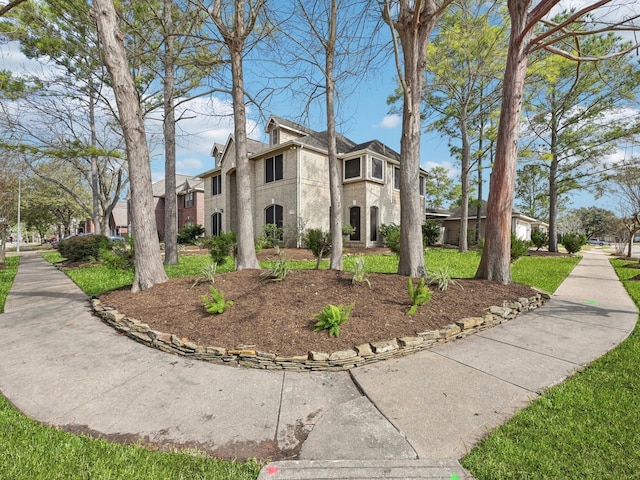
(452, 171)
(390, 121)
(189, 164)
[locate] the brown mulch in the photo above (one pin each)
(278, 317)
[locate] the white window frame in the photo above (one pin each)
(344, 169)
(382, 162)
(216, 184)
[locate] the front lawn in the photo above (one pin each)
(585, 428)
(7, 274)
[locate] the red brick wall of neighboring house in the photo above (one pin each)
(159, 212)
(194, 214)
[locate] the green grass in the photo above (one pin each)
(29, 450)
(6, 279)
(585, 428)
(545, 273)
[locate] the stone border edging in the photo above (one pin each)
(247, 356)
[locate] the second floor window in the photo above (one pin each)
(216, 185)
(396, 178)
(273, 169)
(377, 169)
(189, 200)
(352, 168)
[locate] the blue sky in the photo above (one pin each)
(366, 113)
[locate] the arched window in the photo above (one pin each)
(216, 224)
(273, 214)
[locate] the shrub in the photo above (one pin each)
(82, 247)
(119, 255)
(188, 234)
(222, 246)
(332, 317)
(573, 242)
(539, 239)
(419, 294)
(348, 229)
(216, 304)
(319, 243)
(272, 235)
(430, 233)
(391, 235)
(519, 248)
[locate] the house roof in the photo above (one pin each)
(457, 212)
(184, 184)
(119, 214)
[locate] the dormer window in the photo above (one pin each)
(274, 136)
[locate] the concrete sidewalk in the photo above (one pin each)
(411, 417)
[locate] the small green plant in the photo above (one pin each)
(519, 248)
(222, 246)
(359, 271)
(278, 270)
(539, 239)
(272, 235)
(207, 274)
(332, 317)
(442, 276)
(216, 304)
(573, 242)
(319, 243)
(419, 294)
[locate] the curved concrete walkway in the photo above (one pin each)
(411, 417)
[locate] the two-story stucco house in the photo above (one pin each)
(290, 184)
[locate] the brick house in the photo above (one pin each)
(290, 184)
(190, 199)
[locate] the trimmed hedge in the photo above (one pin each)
(82, 247)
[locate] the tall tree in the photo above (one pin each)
(573, 113)
(412, 23)
(495, 261)
(624, 184)
(439, 188)
(164, 38)
(68, 116)
(332, 46)
(464, 63)
(235, 21)
(148, 263)
(532, 191)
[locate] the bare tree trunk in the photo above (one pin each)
(334, 174)
(496, 256)
(95, 193)
(246, 258)
(414, 24)
(148, 264)
(169, 130)
(463, 245)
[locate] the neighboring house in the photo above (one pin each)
(290, 184)
(190, 200)
(118, 221)
(521, 225)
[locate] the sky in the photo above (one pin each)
(365, 115)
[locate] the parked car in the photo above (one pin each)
(117, 238)
(595, 241)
